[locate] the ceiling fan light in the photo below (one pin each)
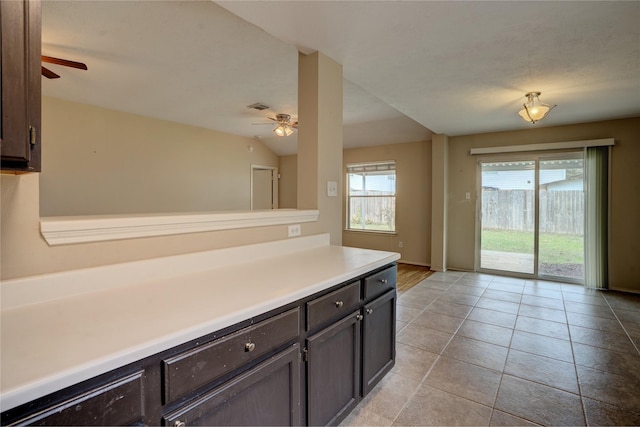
(288, 131)
(534, 110)
(280, 130)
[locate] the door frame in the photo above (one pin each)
(520, 156)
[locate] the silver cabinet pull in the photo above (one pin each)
(339, 304)
(359, 316)
(249, 346)
(369, 310)
(179, 423)
(383, 281)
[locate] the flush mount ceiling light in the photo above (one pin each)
(283, 128)
(534, 109)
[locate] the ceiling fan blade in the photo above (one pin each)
(49, 74)
(294, 125)
(65, 62)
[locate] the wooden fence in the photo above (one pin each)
(561, 212)
(375, 210)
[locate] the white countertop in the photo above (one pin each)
(62, 340)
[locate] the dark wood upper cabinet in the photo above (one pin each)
(20, 143)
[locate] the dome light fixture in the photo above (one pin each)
(534, 110)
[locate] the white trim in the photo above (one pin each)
(545, 146)
(98, 228)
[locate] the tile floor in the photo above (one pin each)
(476, 349)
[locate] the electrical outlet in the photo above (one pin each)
(294, 230)
(400, 244)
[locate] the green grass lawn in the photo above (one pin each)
(554, 248)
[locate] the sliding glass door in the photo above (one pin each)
(561, 219)
(532, 216)
(508, 216)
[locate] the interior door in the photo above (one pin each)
(264, 188)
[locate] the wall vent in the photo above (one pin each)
(258, 106)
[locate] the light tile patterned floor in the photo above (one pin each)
(477, 349)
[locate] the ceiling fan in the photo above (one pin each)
(284, 126)
(65, 62)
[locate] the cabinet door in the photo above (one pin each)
(378, 340)
(333, 371)
(20, 65)
(267, 395)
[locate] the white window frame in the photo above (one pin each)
(373, 167)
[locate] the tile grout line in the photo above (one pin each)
(460, 280)
(424, 378)
(575, 365)
(621, 324)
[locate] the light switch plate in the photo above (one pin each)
(332, 189)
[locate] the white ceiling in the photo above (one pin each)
(452, 67)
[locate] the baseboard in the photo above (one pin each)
(462, 270)
(419, 264)
(626, 290)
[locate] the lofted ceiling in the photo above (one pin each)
(410, 67)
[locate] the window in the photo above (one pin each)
(371, 204)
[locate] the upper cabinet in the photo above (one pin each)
(20, 131)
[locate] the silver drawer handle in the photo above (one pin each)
(383, 281)
(179, 423)
(249, 346)
(359, 316)
(339, 304)
(369, 310)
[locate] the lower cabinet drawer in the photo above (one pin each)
(119, 402)
(333, 305)
(186, 372)
(267, 395)
(379, 283)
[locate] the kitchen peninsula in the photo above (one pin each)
(189, 339)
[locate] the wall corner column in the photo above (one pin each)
(320, 140)
(439, 185)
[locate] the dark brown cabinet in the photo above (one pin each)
(347, 358)
(118, 402)
(333, 371)
(20, 146)
(268, 395)
(378, 340)
(309, 362)
(189, 371)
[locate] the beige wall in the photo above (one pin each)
(320, 139)
(288, 183)
(413, 201)
(100, 161)
(24, 252)
(624, 269)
